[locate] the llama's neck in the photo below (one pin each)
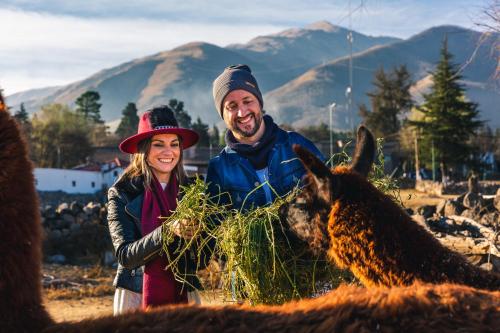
(21, 307)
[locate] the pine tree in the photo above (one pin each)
(449, 120)
(88, 105)
(202, 130)
(129, 122)
(183, 118)
(215, 137)
(389, 101)
(21, 115)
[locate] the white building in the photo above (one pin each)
(88, 178)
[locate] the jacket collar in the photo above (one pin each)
(234, 157)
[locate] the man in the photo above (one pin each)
(258, 163)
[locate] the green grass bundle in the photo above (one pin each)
(267, 264)
(204, 211)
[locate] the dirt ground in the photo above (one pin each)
(96, 299)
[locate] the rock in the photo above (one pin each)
(76, 207)
(68, 219)
(475, 259)
(473, 184)
(473, 200)
(487, 266)
(93, 207)
(491, 220)
(87, 210)
(426, 210)
(103, 214)
(461, 197)
(496, 263)
(471, 214)
(109, 258)
(496, 201)
(440, 208)
(55, 234)
(453, 207)
(49, 212)
(74, 227)
(63, 209)
(57, 259)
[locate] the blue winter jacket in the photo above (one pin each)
(231, 173)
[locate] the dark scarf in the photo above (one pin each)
(159, 285)
(257, 154)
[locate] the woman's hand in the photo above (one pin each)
(184, 228)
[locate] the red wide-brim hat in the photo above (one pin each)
(146, 130)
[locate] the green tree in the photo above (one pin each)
(321, 132)
(129, 122)
(202, 130)
(390, 100)
(183, 118)
(23, 119)
(448, 120)
(60, 137)
(215, 137)
(88, 105)
(21, 115)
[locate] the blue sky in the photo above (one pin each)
(55, 42)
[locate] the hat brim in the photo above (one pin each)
(188, 138)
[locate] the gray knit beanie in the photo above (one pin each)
(233, 78)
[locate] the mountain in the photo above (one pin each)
(187, 72)
(31, 95)
(304, 100)
(294, 51)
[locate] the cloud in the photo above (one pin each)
(66, 48)
(59, 41)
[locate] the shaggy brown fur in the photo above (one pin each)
(20, 227)
(365, 231)
(445, 308)
(426, 308)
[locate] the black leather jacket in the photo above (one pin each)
(132, 251)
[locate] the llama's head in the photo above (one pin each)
(308, 214)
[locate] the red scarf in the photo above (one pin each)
(159, 285)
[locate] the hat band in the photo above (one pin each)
(164, 127)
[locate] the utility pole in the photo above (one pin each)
(433, 162)
(350, 87)
(417, 163)
(332, 109)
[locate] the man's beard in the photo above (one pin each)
(247, 134)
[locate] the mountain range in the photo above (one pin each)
(300, 71)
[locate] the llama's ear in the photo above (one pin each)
(319, 173)
(365, 151)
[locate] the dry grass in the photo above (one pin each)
(76, 282)
(413, 199)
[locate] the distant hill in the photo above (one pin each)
(187, 72)
(31, 95)
(305, 100)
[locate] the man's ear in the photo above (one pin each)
(317, 172)
(364, 153)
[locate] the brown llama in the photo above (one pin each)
(360, 228)
(429, 308)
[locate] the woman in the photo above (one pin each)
(148, 189)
